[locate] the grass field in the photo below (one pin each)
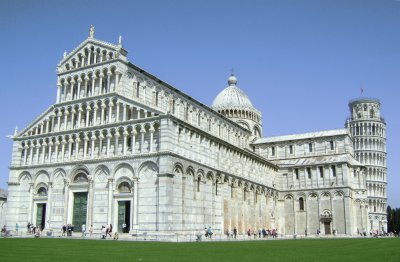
(28, 249)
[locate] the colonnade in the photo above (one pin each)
(87, 114)
(89, 56)
(248, 114)
(129, 140)
(377, 205)
(88, 84)
(376, 173)
(368, 129)
(369, 144)
(368, 158)
(376, 189)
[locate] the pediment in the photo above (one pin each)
(38, 125)
(44, 123)
(90, 52)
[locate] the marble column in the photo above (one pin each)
(90, 201)
(110, 199)
(66, 198)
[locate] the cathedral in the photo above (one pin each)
(122, 147)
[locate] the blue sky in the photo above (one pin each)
(300, 62)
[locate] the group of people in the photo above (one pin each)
(107, 231)
(67, 230)
(34, 230)
(260, 233)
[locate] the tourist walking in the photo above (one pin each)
(109, 228)
(64, 229)
(83, 229)
(90, 230)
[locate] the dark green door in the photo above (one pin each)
(124, 214)
(41, 216)
(80, 210)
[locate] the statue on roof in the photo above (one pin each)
(91, 31)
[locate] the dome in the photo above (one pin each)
(232, 97)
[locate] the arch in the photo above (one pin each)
(78, 169)
(42, 176)
(301, 203)
(147, 168)
(178, 168)
(257, 131)
(338, 194)
(326, 213)
(190, 171)
(124, 187)
(288, 196)
(123, 169)
(80, 177)
(101, 173)
(41, 189)
(58, 176)
(325, 195)
(24, 176)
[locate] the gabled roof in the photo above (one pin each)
(92, 41)
(311, 135)
(317, 160)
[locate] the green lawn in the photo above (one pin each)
(72, 250)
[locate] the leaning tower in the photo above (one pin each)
(368, 129)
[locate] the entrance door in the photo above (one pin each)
(124, 216)
(41, 216)
(79, 211)
(327, 228)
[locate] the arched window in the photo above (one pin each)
(371, 113)
(301, 204)
(124, 187)
(42, 191)
(198, 183)
(81, 178)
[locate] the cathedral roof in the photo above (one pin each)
(311, 135)
(317, 160)
(232, 97)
